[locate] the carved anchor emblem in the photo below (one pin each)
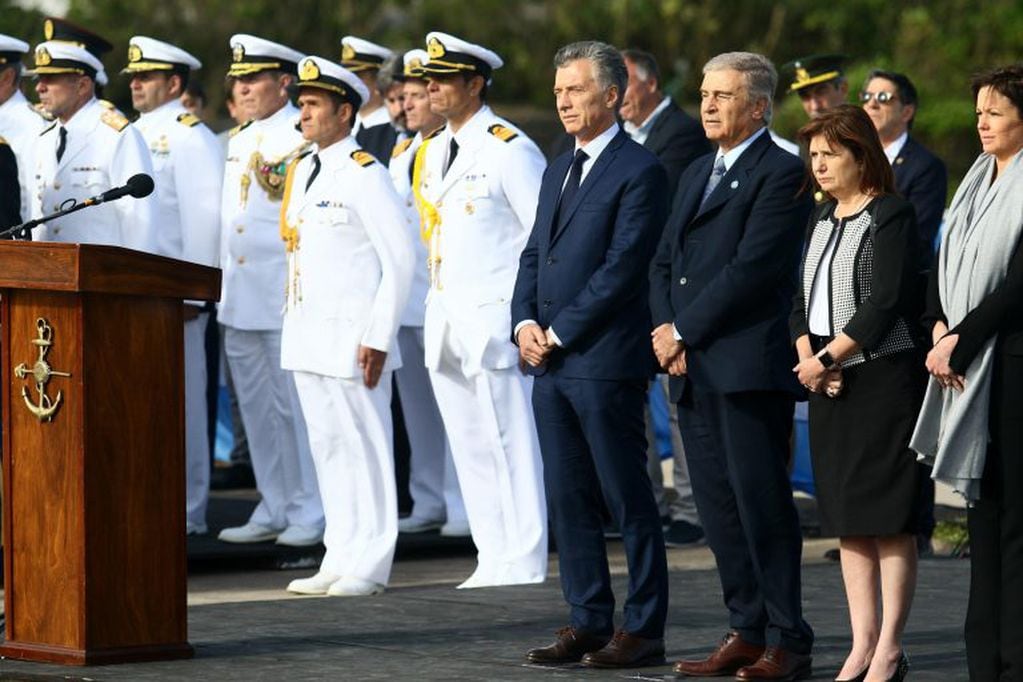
(41, 372)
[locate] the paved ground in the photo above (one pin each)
(244, 627)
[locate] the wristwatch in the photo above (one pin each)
(825, 359)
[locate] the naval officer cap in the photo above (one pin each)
(56, 57)
(413, 62)
(317, 72)
(362, 55)
(450, 54)
(11, 50)
(149, 54)
(250, 54)
(814, 69)
(64, 31)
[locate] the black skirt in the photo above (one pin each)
(866, 475)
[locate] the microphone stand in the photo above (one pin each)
(25, 228)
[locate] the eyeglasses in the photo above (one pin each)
(882, 97)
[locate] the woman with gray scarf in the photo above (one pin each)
(971, 424)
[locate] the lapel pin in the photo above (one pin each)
(735, 184)
(899, 161)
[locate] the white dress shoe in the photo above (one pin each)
(195, 528)
(412, 524)
(455, 529)
(250, 532)
(353, 587)
(300, 536)
(317, 584)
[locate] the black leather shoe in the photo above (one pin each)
(682, 534)
(569, 647)
(627, 651)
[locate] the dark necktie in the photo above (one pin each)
(452, 153)
(314, 173)
(714, 179)
(575, 175)
(62, 145)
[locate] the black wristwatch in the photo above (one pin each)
(825, 359)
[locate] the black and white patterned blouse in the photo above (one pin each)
(852, 281)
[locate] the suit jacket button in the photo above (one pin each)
(550, 261)
(683, 281)
(547, 303)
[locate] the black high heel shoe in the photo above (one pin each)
(901, 669)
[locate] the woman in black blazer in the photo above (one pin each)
(975, 315)
(853, 322)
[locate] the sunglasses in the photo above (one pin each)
(882, 97)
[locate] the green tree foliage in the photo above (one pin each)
(939, 43)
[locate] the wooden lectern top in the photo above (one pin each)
(94, 268)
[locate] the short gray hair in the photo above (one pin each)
(608, 65)
(761, 76)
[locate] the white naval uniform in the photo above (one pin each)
(433, 482)
(487, 204)
(102, 151)
(20, 125)
(188, 167)
(348, 282)
(252, 257)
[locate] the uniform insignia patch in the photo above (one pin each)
(238, 129)
(114, 119)
(502, 133)
(363, 158)
(400, 148)
(190, 120)
(2, 140)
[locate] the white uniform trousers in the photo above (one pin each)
(272, 416)
(197, 442)
(489, 421)
(433, 483)
(352, 441)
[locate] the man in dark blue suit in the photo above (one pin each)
(890, 99)
(721, 288)
(580, 317)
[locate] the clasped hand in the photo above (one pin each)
(535, 345)
(938, 363)
(670, 352)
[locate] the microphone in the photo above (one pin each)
(139, 185)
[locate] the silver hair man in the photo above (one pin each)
(761, 76)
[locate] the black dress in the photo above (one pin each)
(865, 473)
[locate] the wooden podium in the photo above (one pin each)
(93, 451)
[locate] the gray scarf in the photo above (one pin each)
(982, 229)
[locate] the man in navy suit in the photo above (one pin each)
(721, 287)
(580, 318)
(890, 100)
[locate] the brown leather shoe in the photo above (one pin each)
(732, 653)
(627, 651)
(569, 647)
(778, 664)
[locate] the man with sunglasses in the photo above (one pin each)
(890, 100)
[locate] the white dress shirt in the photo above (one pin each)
(642, 131)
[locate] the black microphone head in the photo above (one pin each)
(140, 185)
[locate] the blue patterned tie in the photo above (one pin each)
(714, 179)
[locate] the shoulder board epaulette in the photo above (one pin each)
(43, 113)
(363, 158)
(400, 148)
(435, 133)
(502, 133)
(238, 129)
(107, 104)
(190, 120)
(46, 130)
(2, 140)
(114, 119)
